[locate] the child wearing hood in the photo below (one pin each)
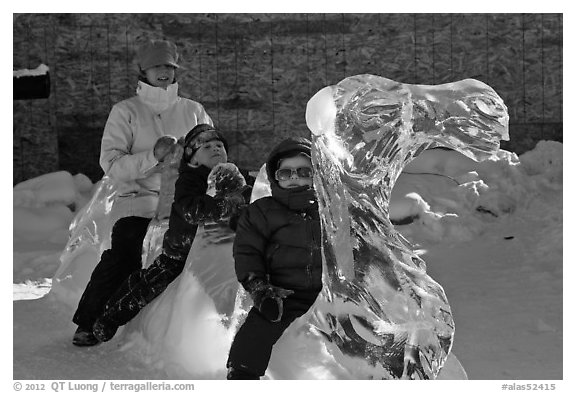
(205, 150)
(277, 253)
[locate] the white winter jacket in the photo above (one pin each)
(131, 131)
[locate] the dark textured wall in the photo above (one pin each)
(254, 73)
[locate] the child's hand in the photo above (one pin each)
(163, 146)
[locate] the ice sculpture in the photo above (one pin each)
(152, 244)
(91, 229)
(188, 329)
(89, 237)
(379, 315)
(379, 312)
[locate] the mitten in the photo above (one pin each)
(163, 146)
(225, 180)
(267, 298)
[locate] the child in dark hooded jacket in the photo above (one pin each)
(277, 253)
(204, 149)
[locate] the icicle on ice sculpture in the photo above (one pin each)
(379, 310)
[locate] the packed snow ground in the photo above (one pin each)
(491, 234)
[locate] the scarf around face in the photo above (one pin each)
(156, 98)
(299, 199)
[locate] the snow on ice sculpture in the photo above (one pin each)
(379, 312)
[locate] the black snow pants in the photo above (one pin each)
(252, 346)
(116, 264)
(140, 288)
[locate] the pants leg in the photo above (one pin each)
(140, 288)
(116, 263)
(252, 346)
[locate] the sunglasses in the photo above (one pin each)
(304, 172)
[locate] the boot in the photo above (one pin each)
(104, 331)
(84, 338)
(234, 373)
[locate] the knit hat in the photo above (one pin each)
(199, 135)
(157, 52)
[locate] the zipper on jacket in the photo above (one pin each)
(309, 274)
(309, 235)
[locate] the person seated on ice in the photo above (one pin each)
(205, 150)
(134, 142)
(278, 260)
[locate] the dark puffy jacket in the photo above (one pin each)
(191, 205)
(278, 237)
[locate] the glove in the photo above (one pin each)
(225, 180)
(163, 146)
(267, 298)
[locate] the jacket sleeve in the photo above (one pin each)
(250, 245)
(246, 194)
(192, 203)
(116, 158)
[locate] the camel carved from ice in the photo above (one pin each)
(379, 315)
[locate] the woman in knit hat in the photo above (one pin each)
(204, 149)
(139, 133)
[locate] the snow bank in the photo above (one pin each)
(43, 209)
(53, 188)
(44, 206)
(453, 198)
